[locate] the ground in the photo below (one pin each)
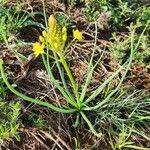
(113, 29)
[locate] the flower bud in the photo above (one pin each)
(44, 33)
(41, 39)
(52, 23)
(64, 34)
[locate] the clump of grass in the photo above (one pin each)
(122, 12)
(143, 14)
(124, 115)
(9, 123)
(9, 114)
(121, 47)
(13, 18)
(3, 2)
(36, 120)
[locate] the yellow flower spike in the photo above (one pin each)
(38, 49)
(41, 39)
(64, 34)
(77, 35)
(52, 23)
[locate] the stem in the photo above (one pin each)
(67, 47)
(135, 147)
(44, 11)
(74, 86)
(55, 82)
(62, 77)
(32, 100)
(77, 121)
(90, 69)
(51, 56)
(90, 125)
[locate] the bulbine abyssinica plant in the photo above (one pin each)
(52, 45)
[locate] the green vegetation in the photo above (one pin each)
(107, 105)
(9, 112)
(36, 120)
(9, 120)
(121, 46)
(2, 88)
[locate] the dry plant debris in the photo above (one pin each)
(30, 77)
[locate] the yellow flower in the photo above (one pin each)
(38, 49)
(55, 37)
(77, 35)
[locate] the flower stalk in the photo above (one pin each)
(69, 74)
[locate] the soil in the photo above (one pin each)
(30, 78)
